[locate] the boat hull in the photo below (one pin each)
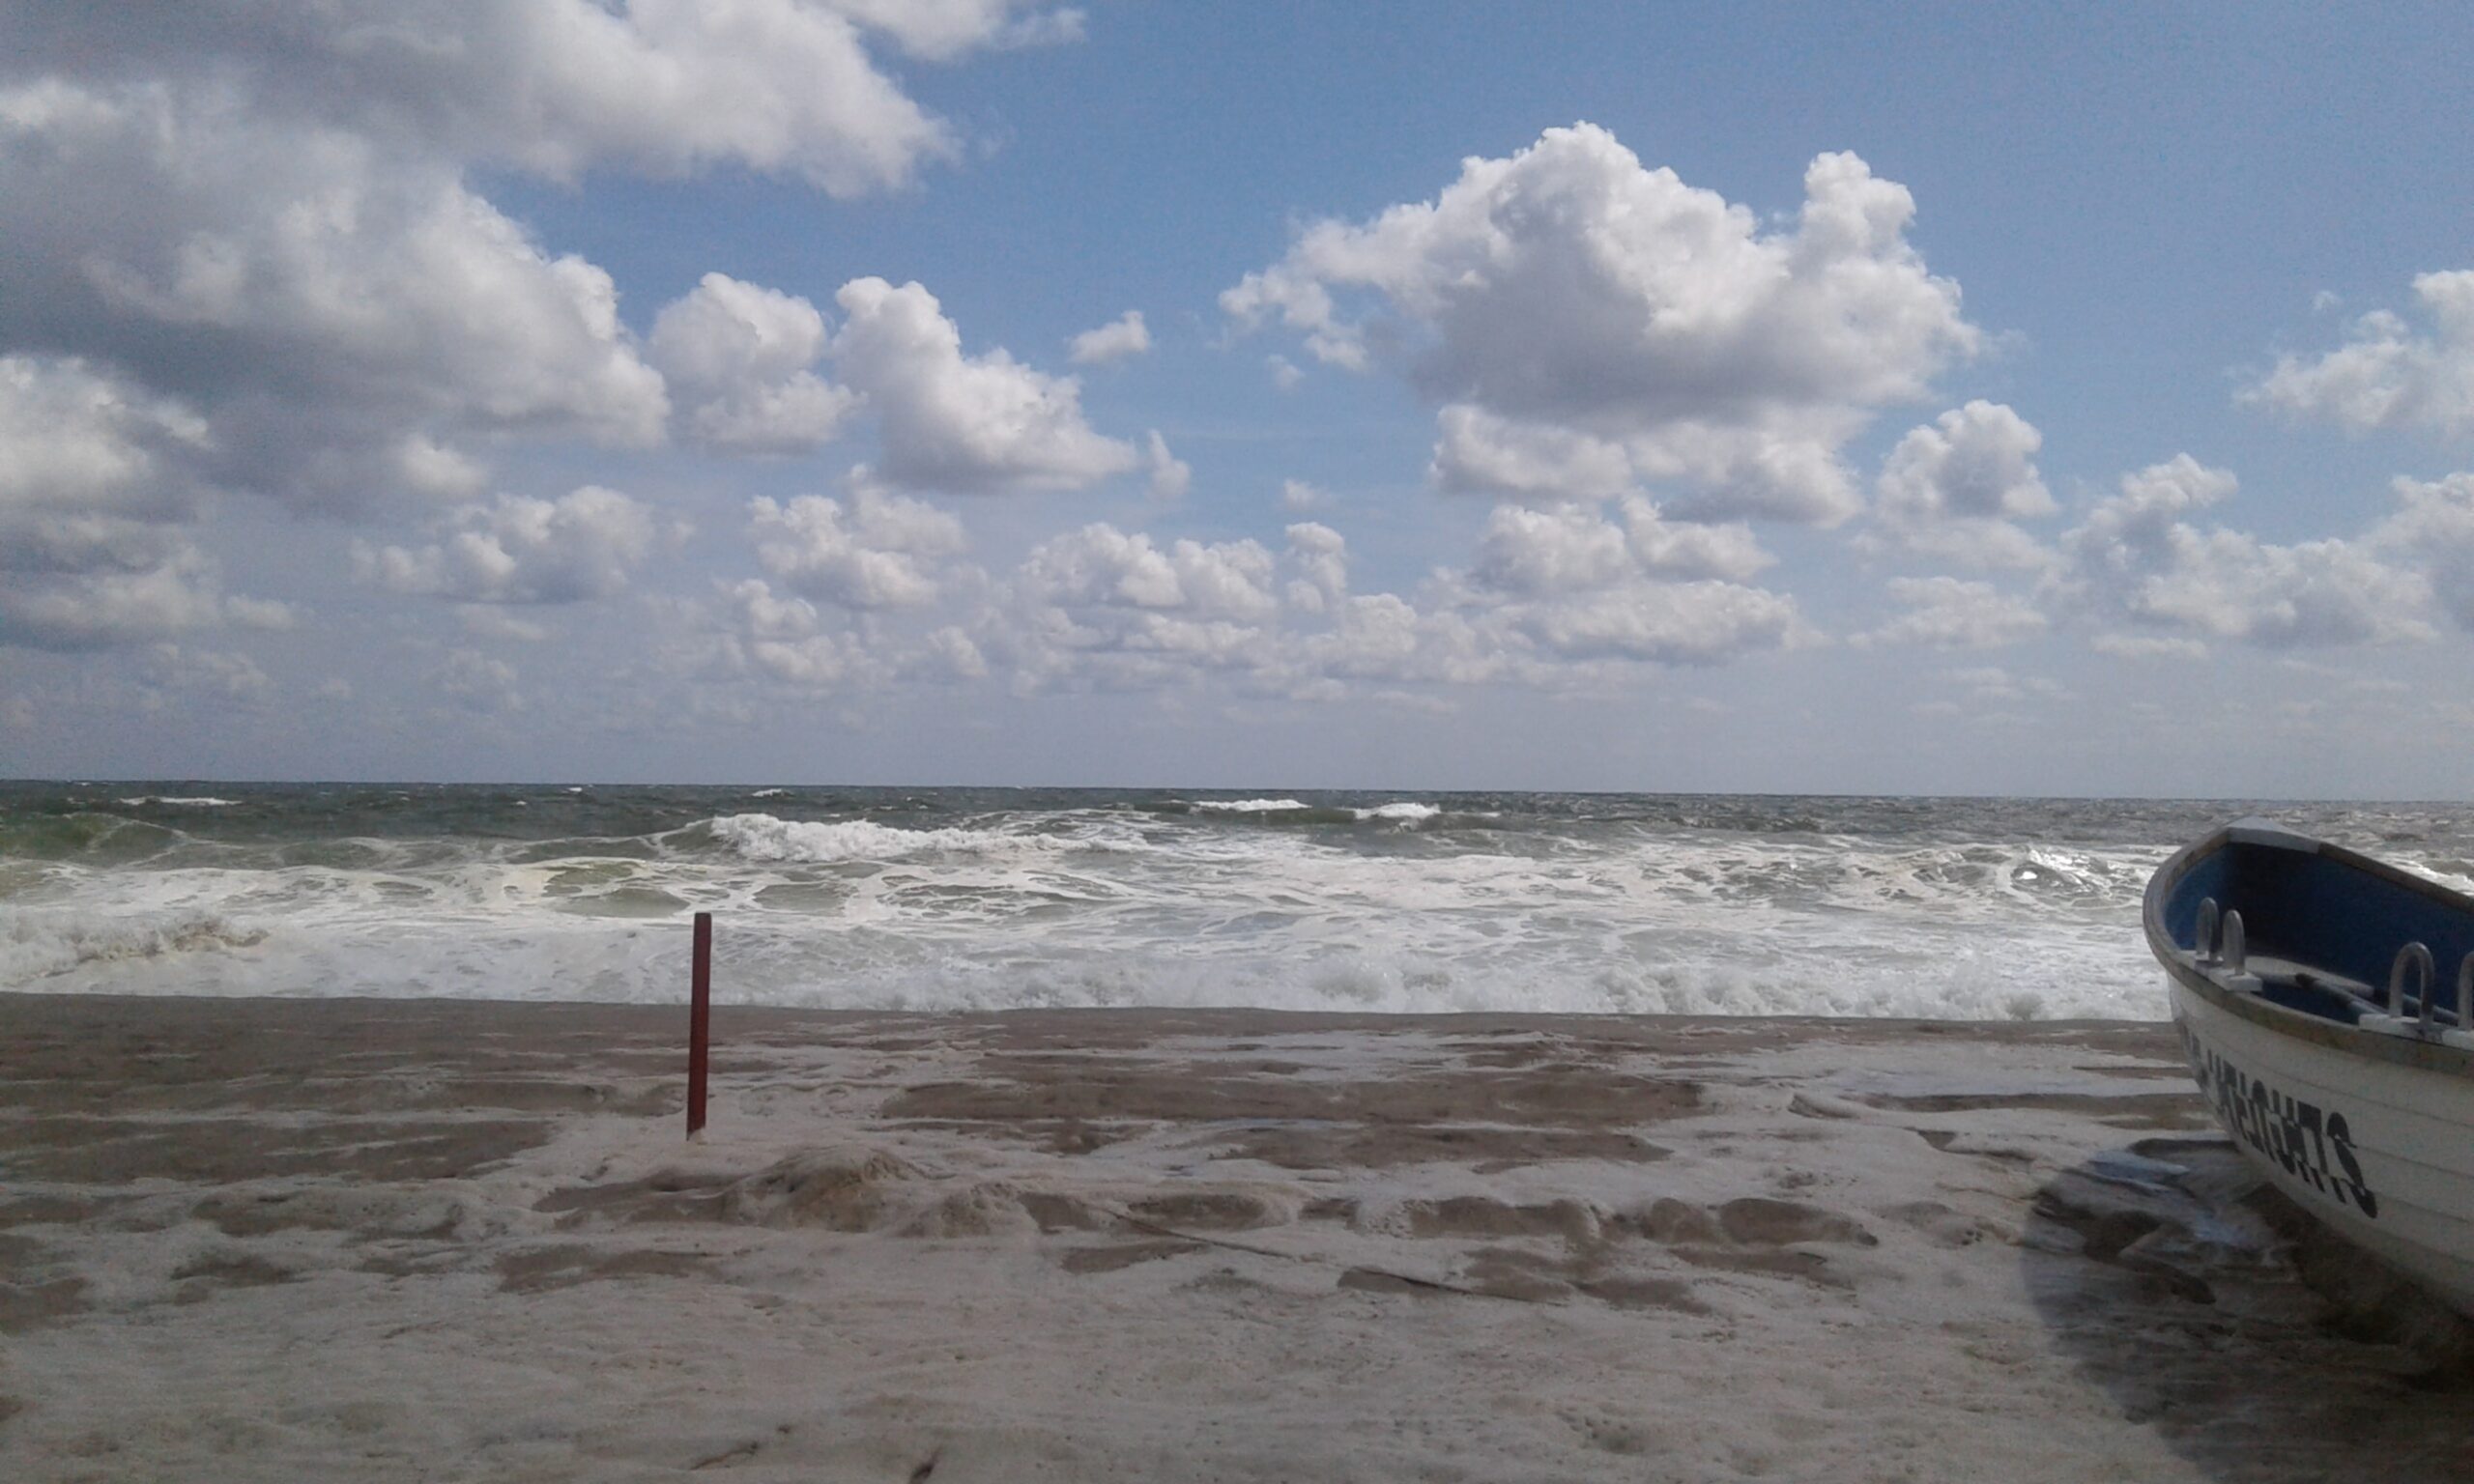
(2381, 1151)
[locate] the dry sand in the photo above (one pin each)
(365, 1240)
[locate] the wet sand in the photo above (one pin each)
(388, 1240)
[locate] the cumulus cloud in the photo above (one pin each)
(579, 546)
(876, 550)
(1947, 613)
(1126, 336)
(101, 608)
(477, 683)
(1477, 452)
(1571, 548)
(1665, 623)
(92, 470)
(1320, 558)
(1555, 598)
(98, 482)
(219, 671)
(1585, 322)
(788, 639)
(737, 361)
(2387, 375)
(1103, 568)
(1298, 494)
(340, 311)
(2432, 531)
(2137, 559)
(940, 30)
(559, 86)
(966, 424)
(1170, 476)
(1954, 487)
(1114, 609)
(259, 225)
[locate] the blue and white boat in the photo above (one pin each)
(2326, 1002)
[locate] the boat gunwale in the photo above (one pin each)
(2431, 1055)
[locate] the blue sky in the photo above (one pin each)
(1778, 398)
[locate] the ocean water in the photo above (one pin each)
(960, 898)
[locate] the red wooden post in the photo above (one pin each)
(700, 1022)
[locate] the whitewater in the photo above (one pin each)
(967, 899)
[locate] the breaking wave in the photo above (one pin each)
(989, 898)
(764, 837)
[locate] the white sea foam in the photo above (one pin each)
(174, 801)
(43, 944)
(1110, 902)
(1091, 913)
(764, 837)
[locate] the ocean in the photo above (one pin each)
(980, 898)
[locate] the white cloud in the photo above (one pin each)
(2148, 646)
(257, 228)
(2136, 558)
(1954, 487)
(93, 472)
(1566, 549)
(477, 681)
(1558, 592)
(1126, 336)
(964, 424)
(1947, 613)
(2226, 585)
(1479, 453)
(942, 29)
(1665, 623)
(225, 672)
(1298, 494)
(559, 86)
(2387, 375)
(97, 488)
(737, 359)
(1559, 598)
(1284, 373)
(1320, 558)
(1102, 567)
(1170, 476)
(101, 608)
(484, 621)
(880, 551)
(1116, 610)
(960, 656)
(337, 310)
(788, 643)
(2434, 532)
(780, 640)
(579, 546)
(1575, 306)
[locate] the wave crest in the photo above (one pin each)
(764, 837)
(37, 945)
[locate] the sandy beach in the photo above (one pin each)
(393, 1239)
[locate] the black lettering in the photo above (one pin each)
(2298, 1135)
(2344, 1138)
(2289, 1135)
(2306, 1120)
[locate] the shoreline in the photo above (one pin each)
(407, 1239)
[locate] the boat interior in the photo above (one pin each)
(2322, 930)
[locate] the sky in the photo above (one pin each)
(1969, 399)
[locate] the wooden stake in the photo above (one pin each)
(700, 1023)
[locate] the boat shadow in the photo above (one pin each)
(2257, 1345)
